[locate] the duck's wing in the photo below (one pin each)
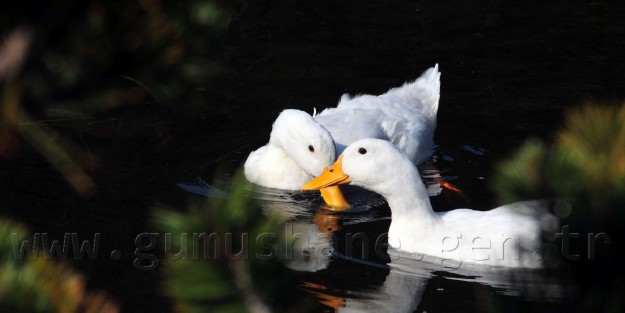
(406, 116)
(518, 231)
(350, 124)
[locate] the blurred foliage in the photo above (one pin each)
(37, 284)
(86, 46)
(68, 69)
(585, 166)
(235, 276)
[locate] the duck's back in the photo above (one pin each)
(405, 116)
(510, 235)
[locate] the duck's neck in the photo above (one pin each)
(412, 214)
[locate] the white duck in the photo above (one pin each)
(506, 236)
(301, 145)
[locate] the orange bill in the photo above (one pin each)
(334, 198)
(330, 177)
(328, 183)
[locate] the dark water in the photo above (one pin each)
(509, 71)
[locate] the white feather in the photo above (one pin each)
(506, 236)
(406, 116)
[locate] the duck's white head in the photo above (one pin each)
(373, 164)
(306, 141)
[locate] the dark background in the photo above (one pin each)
(151, 94)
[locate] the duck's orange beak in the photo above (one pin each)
(334, 198)
(328, 183)
(330, 177)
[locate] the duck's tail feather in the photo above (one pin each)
(430, 82)
(413, 111)
(425, 90)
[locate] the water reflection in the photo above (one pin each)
(306, 240)
(405, 281)
(350, 275)
(343, 262)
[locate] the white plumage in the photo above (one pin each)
(405, 116)
(506, 236)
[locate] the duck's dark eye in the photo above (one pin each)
(362, 150)
(311, 148)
